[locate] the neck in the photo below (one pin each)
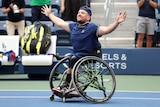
(80, 23)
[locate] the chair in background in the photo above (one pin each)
(27, 2)
(56, 12)
(27, 14)
(49, 23)
(3, 30)
(27, 23)
(0, 3)
(2, 16)
(63, 37)
(56, 4)
(11, 43)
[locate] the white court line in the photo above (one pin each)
(44, 97)
(25, 97)
(25, 90)
(124, 91)
(47, 97)
(135, 98)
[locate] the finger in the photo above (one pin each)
(125, 12)
(50, 7)
(46, 6)
(42, 9)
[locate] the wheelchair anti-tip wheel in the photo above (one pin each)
(93, 79)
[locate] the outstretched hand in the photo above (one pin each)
(121, 16)
(46, 10)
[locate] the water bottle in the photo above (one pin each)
(4, 47)
(15, 9)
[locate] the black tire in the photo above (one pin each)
(54, 83)
(92, 73)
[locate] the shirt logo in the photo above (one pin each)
(82, 31)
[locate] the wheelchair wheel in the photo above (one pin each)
(60, 68)
(93, 79)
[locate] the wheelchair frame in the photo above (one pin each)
(92, 78)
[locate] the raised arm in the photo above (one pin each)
(108, 29)
(56, 20)
(153, 4)
(140, 3)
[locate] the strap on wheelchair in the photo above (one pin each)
(97, 52)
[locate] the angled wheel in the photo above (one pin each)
(93, 79)
(60, 69)
(64, 99)
(52, 97)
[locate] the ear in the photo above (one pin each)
(88, 17)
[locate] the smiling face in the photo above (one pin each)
(83, 16)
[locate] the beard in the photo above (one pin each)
(81, 22)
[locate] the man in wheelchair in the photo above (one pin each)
(84, 34)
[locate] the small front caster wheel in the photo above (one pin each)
(64, 99)
(52, 97)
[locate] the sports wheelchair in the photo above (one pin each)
(92, 79)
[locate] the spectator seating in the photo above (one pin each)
(35, 65)
(56, 12)
(27, 2)
(0, 3)
(2, 16)
(27, 14)
(63, 37)
(10, 43)
(3, 27)
(27, 23)
(56, 4)
(49, 23)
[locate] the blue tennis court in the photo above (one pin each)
(40, 98)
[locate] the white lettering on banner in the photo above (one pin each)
(116, 61)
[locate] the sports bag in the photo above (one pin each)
(36, 39)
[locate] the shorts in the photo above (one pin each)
(73, 59)
(145, 25)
